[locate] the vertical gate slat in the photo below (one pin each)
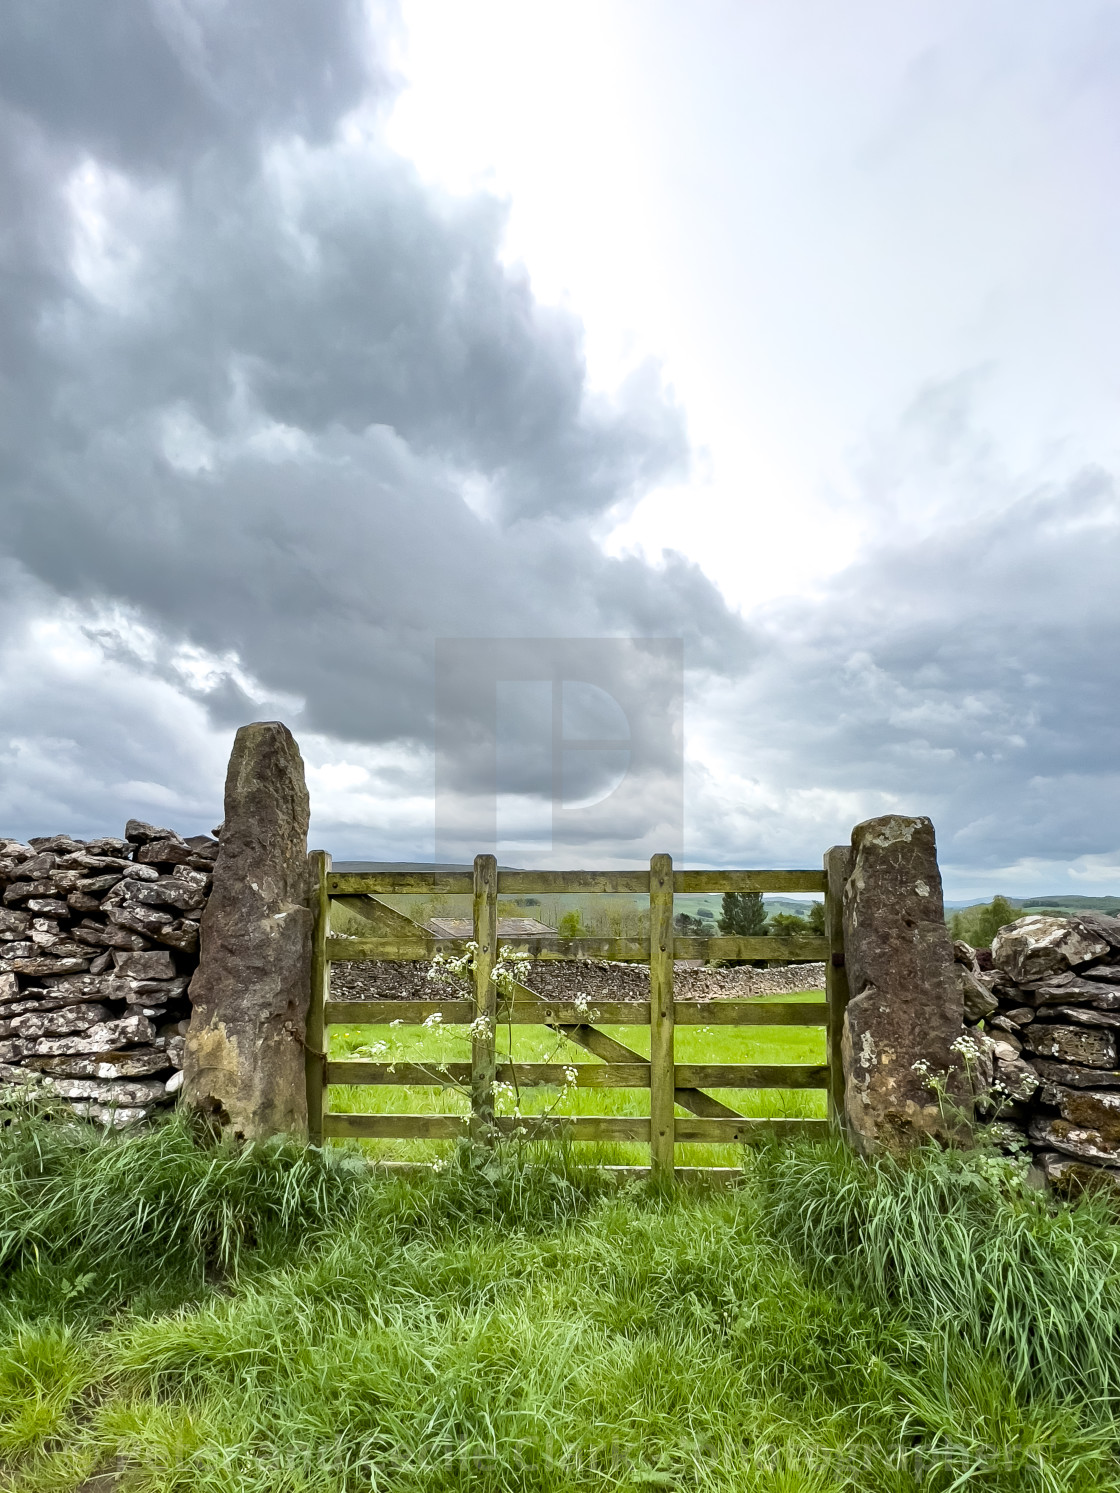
(661, 1055)
(315, 1059)
(836, 865)
(484, 1037)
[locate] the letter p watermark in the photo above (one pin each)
(559, 752)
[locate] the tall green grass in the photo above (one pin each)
(829, 1325)
(93, 1216)
(960, 1248)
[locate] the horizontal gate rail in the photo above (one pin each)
(671, 1085)
(607, 1128)
(517, 883)
(587, 1075)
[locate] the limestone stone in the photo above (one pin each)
(108, 845)
(1085, 1016)
(1014, 1080)
(169, 891)
(1034, 947)
(154, 964)
(48, 907)
(1096, 1109)
(136, 1062)
(20, 891)
(1100, 925)
(1085, 1046)
(244, 1058)
(182, 933)
(906, 1005)
(137, 832)
(117, 1115)
(1071, 1075)
(204, 847)
(978, 1002)
(965, 954)
(81, 860)
(138, 919)
(60, 948)
(1083, 1141)
(1060, 988)
(35, 966)
(79, 902)
(1066, 1174)
(56, 1023)
(107, 1090)
(106, 1037)
(35, 1000)
(164, 853)
(90, 885)
(54, 844)
(109, 937)
(162, 990)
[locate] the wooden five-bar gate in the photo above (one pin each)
(671, 1084)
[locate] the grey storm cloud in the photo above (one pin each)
(266, 395)
(970, 674)
(152, 85)
(279, 398)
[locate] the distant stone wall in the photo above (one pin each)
(597, 979)
(98, 943)
(1043, 1014)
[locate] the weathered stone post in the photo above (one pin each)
(906, 1004)
(244, 1058)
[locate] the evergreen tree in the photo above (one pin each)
(742, 914)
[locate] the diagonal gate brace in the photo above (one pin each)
(594, 1041)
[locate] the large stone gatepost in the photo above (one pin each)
(244, 1059)
(906, 996)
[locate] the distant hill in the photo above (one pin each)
(1066, 900)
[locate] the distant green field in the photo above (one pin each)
(538, 1044)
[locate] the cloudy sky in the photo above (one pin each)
(790, 330)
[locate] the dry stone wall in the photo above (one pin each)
(1043, 1040)
(98, 943)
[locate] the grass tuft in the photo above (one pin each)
(269, 1320)
(958, 1246)
(95, 1217)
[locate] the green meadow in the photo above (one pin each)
(527, 1044)
(184, 1316)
